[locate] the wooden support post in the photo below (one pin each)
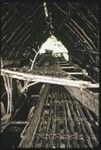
(33, 61)
(8, 86)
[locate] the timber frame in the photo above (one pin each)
(73, 86)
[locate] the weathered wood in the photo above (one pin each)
(88, 99)
(30, 132)
(61, 121)
(47, 79)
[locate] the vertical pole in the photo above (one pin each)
(8, 87)
(10, 94)
(34, 60)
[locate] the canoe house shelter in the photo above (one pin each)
(49, 74)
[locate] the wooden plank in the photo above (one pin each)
(26, 142)
(48, 79)
(88, 99)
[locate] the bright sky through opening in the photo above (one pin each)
(53, 44)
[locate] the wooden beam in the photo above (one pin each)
(68, 67)
(47, 79)
(19, 122)
(74, 73)
(29, 132)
